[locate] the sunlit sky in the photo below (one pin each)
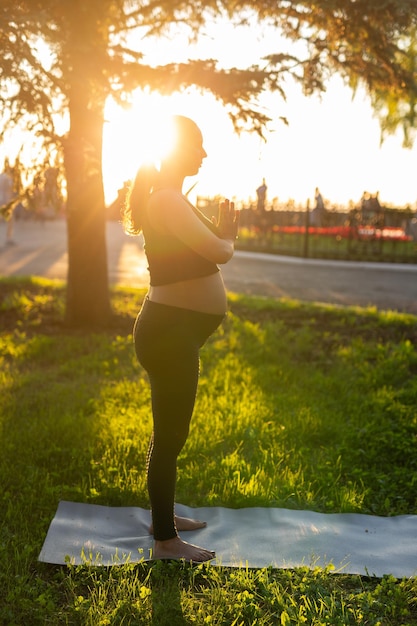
(332, 141)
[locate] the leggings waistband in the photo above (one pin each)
(180, 312)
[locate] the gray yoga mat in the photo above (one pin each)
(254, 537)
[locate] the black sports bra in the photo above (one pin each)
(170, 260)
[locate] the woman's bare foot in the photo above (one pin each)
(184, 523)
(176, 548)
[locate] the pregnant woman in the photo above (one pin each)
(185, 304)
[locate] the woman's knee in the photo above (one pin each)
(171, 442)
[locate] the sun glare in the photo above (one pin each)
(143, 133)
(131, 136)
(134, 136)
(331, 143)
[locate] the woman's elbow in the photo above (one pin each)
(225, 252)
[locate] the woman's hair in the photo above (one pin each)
(137, 197)
(182, 130)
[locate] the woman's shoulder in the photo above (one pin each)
(168, 199)
(162, 193)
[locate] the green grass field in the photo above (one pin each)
(300, 406)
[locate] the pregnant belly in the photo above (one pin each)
(206, 294)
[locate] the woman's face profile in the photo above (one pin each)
(195, 151)
(187, 150)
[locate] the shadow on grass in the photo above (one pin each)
(333, 426)
(166, 583)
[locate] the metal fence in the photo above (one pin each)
(360, 233)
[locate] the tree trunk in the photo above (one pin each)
(88, 298)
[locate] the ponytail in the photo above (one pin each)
(137, 198)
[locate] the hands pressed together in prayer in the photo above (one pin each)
(228, 221)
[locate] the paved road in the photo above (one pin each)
(40, 250)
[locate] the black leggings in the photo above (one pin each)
(167, 342)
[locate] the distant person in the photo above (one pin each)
(37, 199)
(378, 211)
(185, 304)
(319, 200)
(365, 201)
(374, 202)
(52, 197)
(7, 195)
(412, 227)
(317, 213)
(261, 196)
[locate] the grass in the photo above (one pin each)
(310, 407)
